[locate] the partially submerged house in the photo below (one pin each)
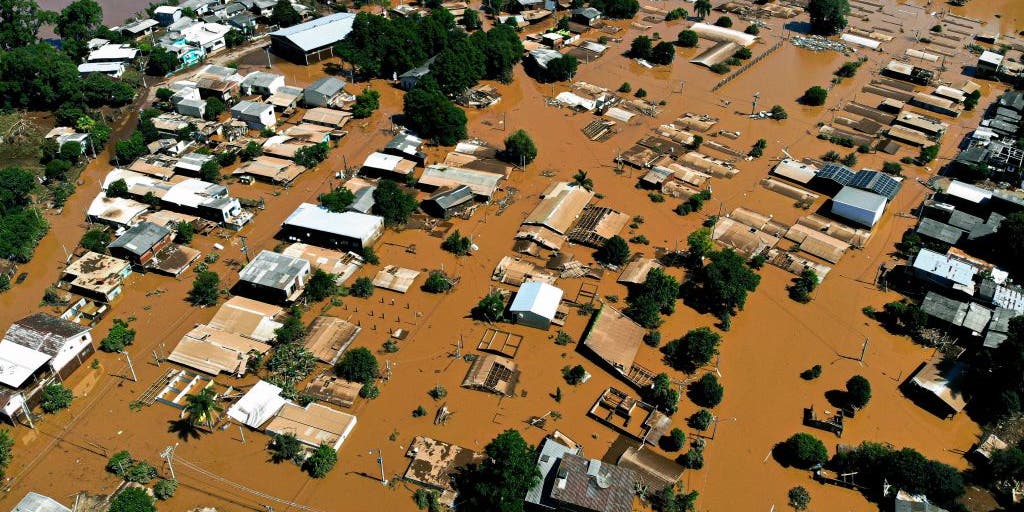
(448, 202)
(589, 485)
(315, 224)
(536, 304)
(313, 425)
(325, 92)
(941, 385)
(434, 463)
(329, 337)
(277, 277)
(36, 350)
(493, 374)
(141, 242)
(614, 339)
(312, 41)
(630, 416)
(214, 351)
(97, 276)
(248, 317)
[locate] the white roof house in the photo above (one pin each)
(722, 34)
(258, 405)
(113, 53)
(112, 69)
(304, 42)
(347, 230)
(795, 170)
(208, 36)
(968, 192)
(536, 304)
(262, 83)
(946, 270)
(18, 363)
(117, 211)
(34, 502)
(860, 206)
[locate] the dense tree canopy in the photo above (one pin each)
(76, 24)
(828, 17)
(1010, 240)
(432, 115)
(621, 9)
(656, 296)
(722, 285)
(393, 203)
(803, 451)
(615, 251)
(358, 365)
(904, 469)
(20, 21)
(519, 148)
(21, 226)
(500, 482)
(693, 350)
(133, 499)
(814, 96)
(561, 69)
(284, 14)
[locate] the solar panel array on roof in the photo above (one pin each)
(837, 173)
(877, 182)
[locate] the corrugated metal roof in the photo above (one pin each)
(538, 298)
(350, 224)
(140, 238)
(319, 32)
(273, 270)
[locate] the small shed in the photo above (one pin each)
(493, 374)
(859, 206)
(536, 304)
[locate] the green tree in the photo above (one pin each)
(574, 375)
(140, 473)
(20, 21)
(184, 231)
(927, 154)
(96, 240)
(663, 53)
(519, 149)
(491, 308)
(362, 288)
(722, 285)
(752, 30)
(119, 337)
(432, 115)
(668, 499)
(779, 113)
(205, 289)
(437, 282)
(500, 482)
(6, 451)
(161, 62)
(210, 171)
(695, 349)
(580, 179)
(458, 68)
(654, 297)
(76, 24)
(457, 244)
(702, 8)
(641, 47)
(676, 14)
(562, 69)
(828, 17)
(250, 151)
(201, 408)
(674, 441)
(367, 102)
(687, 39)
(127, 150)
(799, 498)
(662, 395)
(55, 397)
(1010, 240)
(321, 461)
(337, 200)
(57, 170)
(71, 151)
(471, 20)
(803, 285)
(393, 203)
(706, 391)
(724, 22)
(285, 447)
(1006, 466)
(358, 365)
(120, 463)
(214, 108)
(699, 244)
(132, 499)
(858, 392)
(701, 419)
(234, 38)
(311, 156)
(165, 489)
(803, 451)
(292, 329)
(814, 96)
(321, 285)
(615, 251)
(284, 14)
(904, 317)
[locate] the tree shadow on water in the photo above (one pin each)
(184, 429)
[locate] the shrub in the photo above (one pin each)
(674, 441)
(120, 463)
(358, 365)
(625, 87)
(574, 375)
(814, 96)
(693, 459)
(437, 282)
(491, 308)
(752, 30)
(369, 391)
(743, 53)
(799, 498)
(687, 39)
(811, 373)
(321, 462)
(419, 412)
(779, 113)
(141, 473)
(652, 338)
(720, 68)
(893, 168)
(724, 22)
(676, 14)
(132, 499)
(858, 392)
(437, 392)
(457, 244)
(119, 337)
(641, 93)
(285, 447)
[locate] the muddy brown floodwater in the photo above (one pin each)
(770, 343)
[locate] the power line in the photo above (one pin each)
(215, 477)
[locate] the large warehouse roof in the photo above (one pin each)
(319, 32)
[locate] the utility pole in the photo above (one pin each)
(753, 106)
(245, 248)
(168, 454)
(863, 350)
(380, 462)
(267, 48)
(130, 367)
(28, 413)
(387, 371)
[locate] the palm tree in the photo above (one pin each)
(580, 179)
(702, 8)
(201, 406)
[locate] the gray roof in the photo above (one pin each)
(860, 199)
(328, 86)
(43, 332)
(419, 71)
(452, 197)
(140, 238)
(963, 220)
(273, 270)
(33, 502)
(972, 156)
(320, 32)
(250, 108)
(932, 228)
(915, 505)
(405, 143)
(242, 19)
(977, 317)
(590, 484)
(550, 453)
(364, 200)
(1013, 100)
(260, 79)
(588, 12)
(999, 326)
(944, 308)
